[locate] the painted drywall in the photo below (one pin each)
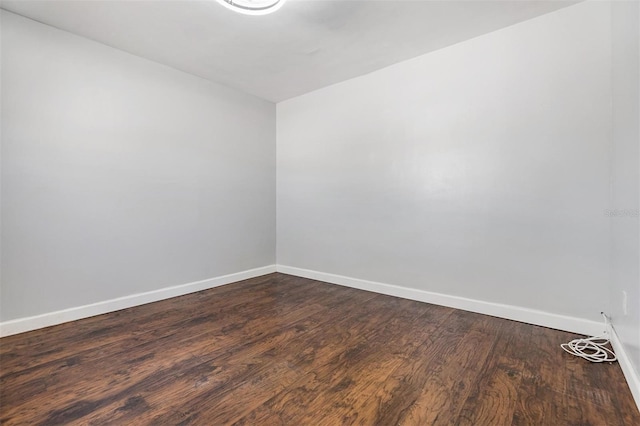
(480, 170)
(122, 176)
(623, 213)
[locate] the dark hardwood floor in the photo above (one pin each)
(281, 350)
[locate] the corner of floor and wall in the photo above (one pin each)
(485, 176)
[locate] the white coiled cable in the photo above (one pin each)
(592, 348)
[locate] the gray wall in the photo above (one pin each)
(121, 176)
(624, 208)
(480, 170)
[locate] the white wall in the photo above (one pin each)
(625, 204)
(480, 170)
(122, 176)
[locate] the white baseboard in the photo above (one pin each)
(629, 371)
(22, 325)
(516, 313)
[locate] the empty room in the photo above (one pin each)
(320, 212)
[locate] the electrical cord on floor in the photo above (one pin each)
(592, 348)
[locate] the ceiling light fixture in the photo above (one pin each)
(252, 7)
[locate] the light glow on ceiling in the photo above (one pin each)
(252, 7)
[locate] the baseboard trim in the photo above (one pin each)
(22, 325)
(629, 371)
(516, 313)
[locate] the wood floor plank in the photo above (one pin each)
(436, 376)
(352, 368)
(107, 329)
(285, 350)
(494, 394)
(226, 333)
(285, 355)
(82, 363)
(232, 352)
(201, 319)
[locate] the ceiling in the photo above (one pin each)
(306, 45)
